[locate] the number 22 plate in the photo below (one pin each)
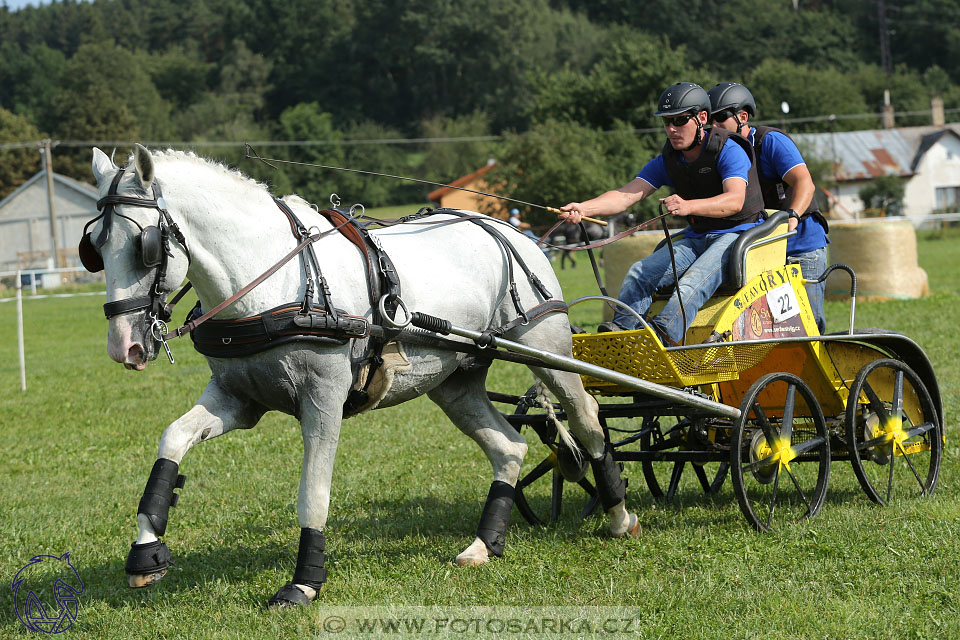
(783, 303)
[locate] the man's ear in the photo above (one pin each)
(743, 116)
(703, 117)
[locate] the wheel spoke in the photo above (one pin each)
(800, 491)
(919, 430)
(773, 497)
(923, 489)
(759, 464)
(545, 465)
(807, 445)
(875, 402)
(674, 480)
(786, 427)
(897, 408)
(765, 426)
(890, 480)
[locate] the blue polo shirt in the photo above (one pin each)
(777, 157)
(733, 162)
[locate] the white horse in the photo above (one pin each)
(232, 232)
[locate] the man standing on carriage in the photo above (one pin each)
(785, 182)
(716, 189)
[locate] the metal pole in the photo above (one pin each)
(54, 234)
(658, 390)
(23, 367)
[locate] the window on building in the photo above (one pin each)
(948, 200)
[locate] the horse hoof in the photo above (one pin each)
(632, 529)
(471, 561)
(289, 595)
(145, 580)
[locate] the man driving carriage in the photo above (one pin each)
(714, 177)
(785, 182)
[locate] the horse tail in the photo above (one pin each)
(543, 400)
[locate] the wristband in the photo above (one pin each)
(793, 214)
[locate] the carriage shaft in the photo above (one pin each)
(584, 368)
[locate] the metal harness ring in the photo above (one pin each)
(392, 321)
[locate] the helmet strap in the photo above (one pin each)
(697, 139)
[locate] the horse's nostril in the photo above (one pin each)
(135, 353)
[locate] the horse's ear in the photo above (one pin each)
(101, 164)
(143, 161)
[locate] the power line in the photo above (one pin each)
(404, 141)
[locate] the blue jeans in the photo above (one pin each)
(812, 264)
(701, 264)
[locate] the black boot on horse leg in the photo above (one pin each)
(612, 489)
(148, 561)
(309, 575)
(496, 517)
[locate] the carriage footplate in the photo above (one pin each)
(611, 486)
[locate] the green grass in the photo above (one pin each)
(407, 493)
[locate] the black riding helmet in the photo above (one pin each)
(730, 96)
(684, 97)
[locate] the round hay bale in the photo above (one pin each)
(883, 253)
(620, 256)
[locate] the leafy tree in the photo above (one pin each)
(558, 162)
(16, 164)
(811, 92)
(624, 84)
(446, 161)
(883, 195)
(28, 80)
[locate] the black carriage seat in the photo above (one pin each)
(758, 249)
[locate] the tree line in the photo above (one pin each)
(555, 90)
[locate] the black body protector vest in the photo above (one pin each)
(701, 179)
(775, 191)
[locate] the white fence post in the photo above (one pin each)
(23, 367)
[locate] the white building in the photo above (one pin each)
(927, 158)
(25, 221)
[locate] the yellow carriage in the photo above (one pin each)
(802, 400)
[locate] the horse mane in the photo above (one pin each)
(170, 157)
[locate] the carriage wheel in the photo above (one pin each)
(548, 470)
(663, 478)
(780, 453)
(893, 432)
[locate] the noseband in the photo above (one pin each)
(153, 249)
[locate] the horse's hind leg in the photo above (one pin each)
(215, 413)
(553, 334)
(463, 399)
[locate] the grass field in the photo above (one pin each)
(407, 492)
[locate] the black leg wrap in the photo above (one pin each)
(610, 485)
(496, 517)
(158, 496)
(310, 559)
(147, 558)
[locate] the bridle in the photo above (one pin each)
(153, 249)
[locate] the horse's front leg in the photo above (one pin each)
(215, 413)
(320, 418)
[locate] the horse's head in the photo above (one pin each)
(141, 251)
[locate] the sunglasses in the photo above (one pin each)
(677, 121)
(722, 116)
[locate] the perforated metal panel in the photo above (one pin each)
(640, 354)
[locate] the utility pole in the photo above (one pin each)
(48, 170)
(886, 59)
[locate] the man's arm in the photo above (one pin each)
(720, 206)
(801, 191)
(609, 203)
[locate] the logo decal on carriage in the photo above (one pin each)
(46, 594)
